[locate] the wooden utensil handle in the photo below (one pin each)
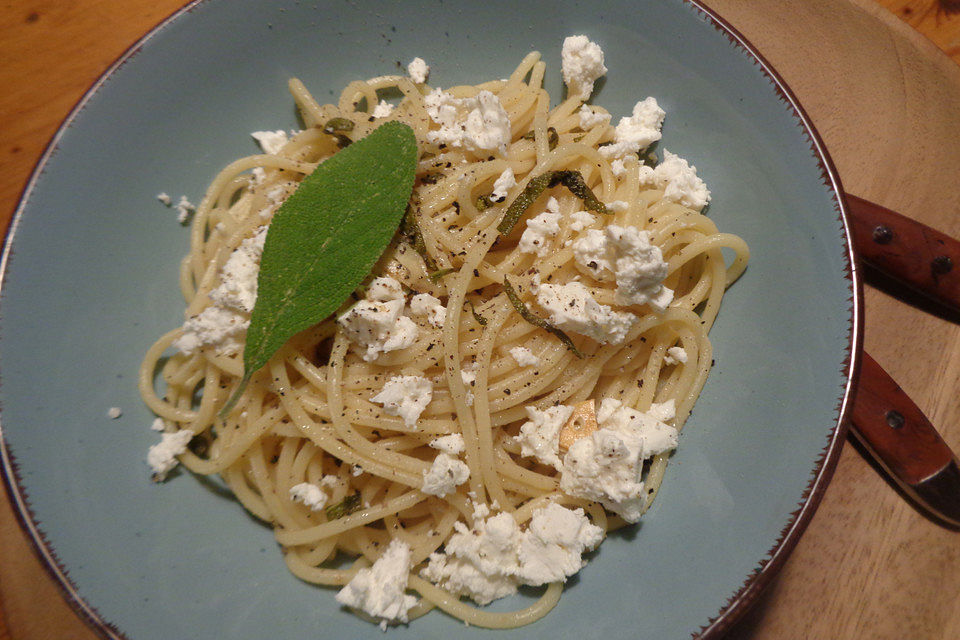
(910, 251)
(893, 426)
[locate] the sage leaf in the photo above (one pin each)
(326, 237)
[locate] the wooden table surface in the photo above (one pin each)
(885, 100)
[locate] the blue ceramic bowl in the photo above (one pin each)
(89, 280)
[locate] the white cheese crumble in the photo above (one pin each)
(679, 181)
(539, 437)
(418, 70)
(590, 117)
(159, 424)
(452, 444)
(607, 465)
(376, 324)
(222, 324)
(524, 357)
(270, 141)
(310, 495)
(581, 65)
(580, 220)
(406, 397)
(238, 277)
(627, 254)
(382, 110)
(428, 307)
(572, 308)
(162, 457)
(114, 412)
(490, 560)
(480, 124)
(502, 185)
(379, 590)
(618, 206)
(444, 475)
(540, 229)
(184, 209)
(675, 355)
(638, 131)
(164, 198)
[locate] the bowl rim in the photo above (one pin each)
(754, 583)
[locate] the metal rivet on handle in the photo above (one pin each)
(941, 265)
(882, 234)
(894, 419)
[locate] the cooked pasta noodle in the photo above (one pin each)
(307, 417)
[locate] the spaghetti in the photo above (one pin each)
(321, 445)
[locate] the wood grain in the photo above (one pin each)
(885, 101)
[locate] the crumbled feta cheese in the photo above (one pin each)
(379, 590)
(426, 306)
(164, 198)
(238, 277)
(638, 131)
(162, 457)
(502, 185)
(418, 70)
(636, 264)
(376, 324)
(309, 495)
(469, 377)
(382, 110)
(581, 64)
(552, 546)
(384, 289)
(356, 470)
(479, 124)
(524, 357)
(580, 220)
(222, 323)
(590, 117)
(606, 465)
(493, 558)
(539, 437)
(679, 181)
(675, 355)
(159, 424)
(444, 475)
(618, 168)
(540, 229)
(184, 209)
(452, 444)
(213, 326)
(618, 206)
(572, 308)
(406, 397)
(114, 412)
(270, 141)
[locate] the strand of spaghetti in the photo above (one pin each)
(487, 619)
(327, 529)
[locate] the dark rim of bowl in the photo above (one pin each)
(753, 584)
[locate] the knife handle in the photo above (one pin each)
(894, 428)
(910, 251)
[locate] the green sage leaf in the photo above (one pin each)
(326, 237)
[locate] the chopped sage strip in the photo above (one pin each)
(476, 316)
(484, 203)
(436, 275)
(338, 124)
(325, 238)
(572, 180)
(536, 320)
(413, 229)
(553, 138)
(343, 508)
